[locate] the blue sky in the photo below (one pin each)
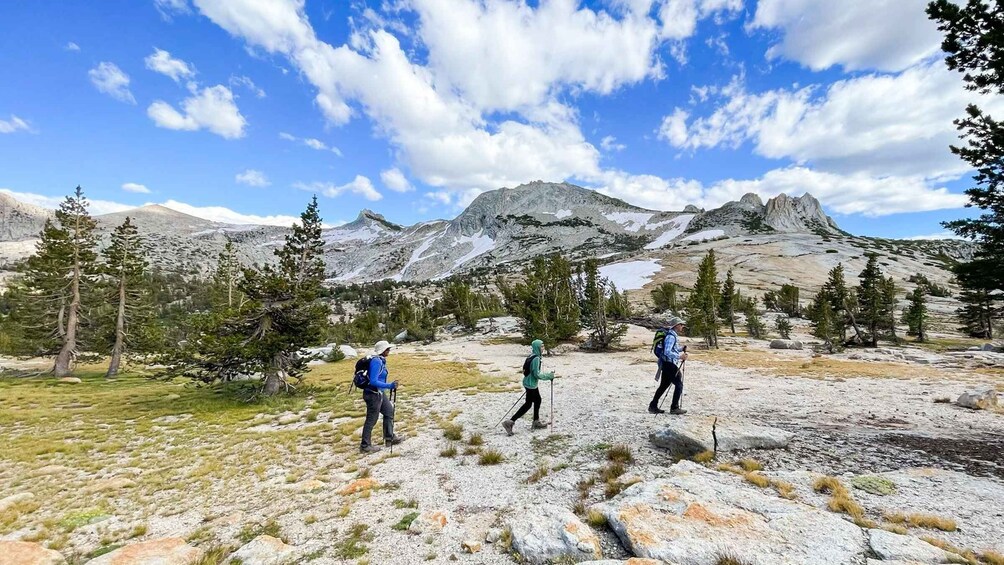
(237, 110)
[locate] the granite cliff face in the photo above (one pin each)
(501, 229)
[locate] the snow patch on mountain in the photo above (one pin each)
(705, 235)
(678, 225)
(367, 234)
(632, 275)
(631, 221)
(562, 214)
(417, 254)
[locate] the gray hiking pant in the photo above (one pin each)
(377, 403)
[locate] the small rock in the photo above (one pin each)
(631, 561)
(316, 362)
(265, 550)
(114, 483)
(895, 547)
(164, 551)
(401, 336)
(875, 485)
(357, 485)
(547, 533)
(430, 521)
(786, 344)
(287, 419)
(493, 535)
(172, 396)
(15, 499)
(471, 546)
(307, 486)
(349, 351)
(50, 470)
(984, 400)
(689, 436)
(72, 380)
(28, 553)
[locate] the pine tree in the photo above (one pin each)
(617, 305)
(597, 289)
(301, 259)
(821, 315)
(915, 315)
(458, 301)
(871, 300)
(125, 264)
(226, 275)
(835, 291)
(787, 300)
(974, 42)
(727, 309)
(783, 327)
(702, 305)
(42, 297)
(664, 297)
(545, 301)
(58, 272)
(754, 325)
(889, 307)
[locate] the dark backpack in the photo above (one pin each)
(528, 365)
(659, 342)
(361, 378)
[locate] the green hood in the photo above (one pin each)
(537, 346)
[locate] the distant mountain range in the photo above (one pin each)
(502, 227)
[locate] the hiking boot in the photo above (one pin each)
(538, 425)
(653, 409)
(508, 424)
(370, 449)
(677, 411)
(396, 440)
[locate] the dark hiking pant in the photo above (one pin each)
(670, 376)
(532, 399)
(377, 403)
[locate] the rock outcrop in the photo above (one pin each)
(266, 550)
(785, 344)
(688, 436)
(547, 533)
(20, 220)
(697, 516)
(978, 400)
(895, 547)
(165, 551)
(28, 553)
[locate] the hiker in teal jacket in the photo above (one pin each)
(531, 377)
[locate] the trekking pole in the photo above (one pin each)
(552, 405)
(393, 401)
(510, 409)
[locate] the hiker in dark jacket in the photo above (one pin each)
(378, 400)
(669, 369)
(530, 382)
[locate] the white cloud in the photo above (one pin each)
(212, 108)
(71, 46)
(888, 35)
(134, 187)
(162, 62)
(359, 185)
(228, 216)
(287, 136)
(170, 8)
(933, 236)
(95, 207)
(246, 82)
(315, 144)
(311, 142)
(609, 143)
(111, 80)
(875, 124)
(14, 124)
(395, 180)
(252, 177)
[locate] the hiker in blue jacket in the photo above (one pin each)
(377, 399)
(669, 367)
(531, 379)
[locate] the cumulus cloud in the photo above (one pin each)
(161, 61)
(170, 8)
(359, 185)
(71, 46)
(877, 124)
(395, 180)
(609, 144)
(246, 82)
(14, 124)
(933, 236)
(228, 216)
(135, 187)
(252, 177)
(212, 108)
(111, 80)
(95, 207)
(888, 35)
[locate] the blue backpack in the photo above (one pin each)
(361, 378)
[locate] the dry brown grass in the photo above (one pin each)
(819, 367)
(992, 558)
(841, 500)
(967, 556)
(758, 479)
(920, 520)
(749, 465)
(620, 453)
(704, 457)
